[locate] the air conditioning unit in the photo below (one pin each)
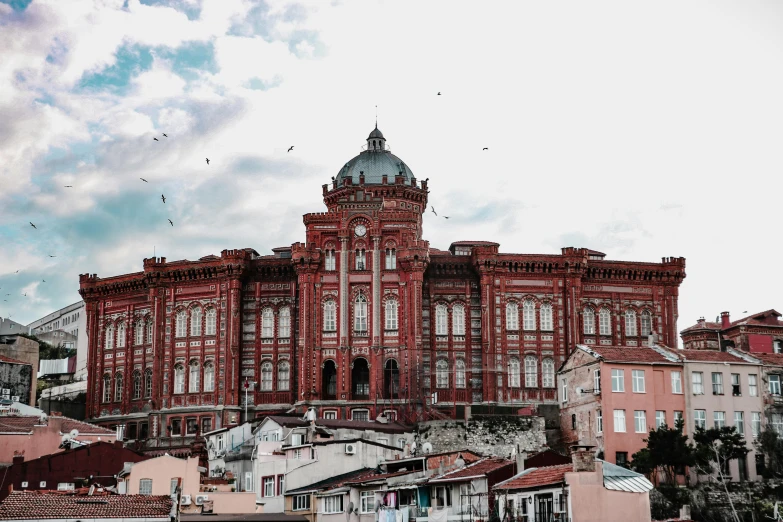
(15, 398)
(200, 499)
(24, 484)
(185, 500)
(350, 449)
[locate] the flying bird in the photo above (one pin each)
(290, 148)
(156, 139)
(165, 134)
(50, 255)
(446, 217)
(31, 224)
(144, 180)
(68, 186)
(163, 198)
(485, 148)
(207, 161)
(172, 223)
(433, 210)
(438, 93)
(25, 294)
(44, 280)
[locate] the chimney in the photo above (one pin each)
(118, 444)
(521, 458)
(582, 458)
(652, 339)
(56, 414)
(701, 322)
(18, 459)
(724, 320)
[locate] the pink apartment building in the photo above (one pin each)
(612, 396)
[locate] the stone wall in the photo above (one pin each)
(495, 436)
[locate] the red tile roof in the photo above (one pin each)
(5, 359)
(26, 424)
(478, 468)
(538, 477)
(708, 356)
(772, 359)
(34, 505)
(757, 319)
(628, 354)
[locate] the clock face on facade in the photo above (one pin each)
(360, 230)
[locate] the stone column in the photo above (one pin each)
(344, 309)
(376, 292)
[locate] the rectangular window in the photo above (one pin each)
(176, 426)
(776, 419)
(739, 422)
(640, 421)
(391, 259)
(700, 419)
(333, 504)
(173, 485)
(330, 260)
(360, 415)
(367, 502)
(677, 417)
(443, 496)
(660, 418)
(361, 260)
(618, 381)
(206, 424)
(280, 484)
(145, 487)
(268, 488)
(753, 385)
(619, 421)
(676, 382)
(621, 458)
(192, 426)
(301, 502)
(599, 421)
(596, 381)
(719, 419)
(774, 384)
(563, 390)
(697, 379)
(755, 423)
(736, 389)
(717, 383)
(65, 486)
(330, 414)
(638, 381)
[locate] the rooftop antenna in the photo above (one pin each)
(376, 116)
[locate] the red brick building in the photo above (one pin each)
(757, 333)
(361, 317)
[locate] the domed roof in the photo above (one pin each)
(375, 162)
(375, 134)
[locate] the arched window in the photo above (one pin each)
(195, 321)
(266, 376)
(283, 376)
(360, 314)
(441, 320)
(138, 337)
(361, 259)
(330, 316)
(209, 376)
(391, 259)
(514, 370)
(330, 260)
(646, 322)
(137, 384)
(548, 372)
(211, 321)
(179, 379)
(360, 378)
(148, 382)
(391, 314)
(117, 387)
(630, 323)
(588, 317)
(529, 315)
(531, 371)
(458, 319)
(181, 324)
(605, 321)
(193, 379)
(106, 387)
(512, 316)
(109, 344)
(267, 323)
(442, 373)
(459, 374)
(121, 334)
(149, 331)
(284, 323)
(546, 317)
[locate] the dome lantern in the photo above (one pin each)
(376, 141)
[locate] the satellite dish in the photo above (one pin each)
(74, 433)
(426, 447)
(349, 511)
(66, 437)
(377, 505)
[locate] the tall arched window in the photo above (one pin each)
(284, 323)
(148, 382)
(458, 319)
(630, 323)
(529, 315)
(266, 376)
(330, 316)
(283, 376)
(211, 321)
(531, 371)
(117, 387)
(179, 379)
(442, 373)
(149, 331)
(138, 337)
(546, 317)
(391, 259)
(106, 387)
(209, 377)
(548, 372)
(330, 260)
(193, 379)
(181, 324)
(512, 316)
(459, 374)
(361, 259)
(588, 317)
(109, 344)
(136, 384)
(267, 323)
(605, 321)
(391, 314)
(121, 334)
(195, 321)
(514, 378)
(441, 320)
(646, 322)
(360, 314)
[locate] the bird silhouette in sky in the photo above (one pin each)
(50, 255)
(144, 180)
(171, 222)
(485, 148)
(156, 139)
(163, 198)
(165, 134)
(24, 295)
(438, 93)
(16, 272)
(433, 210)
(446, 217)
(207, 161)
(290, 148)
(31, 224)
(44, 280)
(68, 186)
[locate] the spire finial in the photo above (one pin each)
(376, 116)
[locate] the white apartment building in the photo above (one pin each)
(72, 320)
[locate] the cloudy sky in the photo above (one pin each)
(641, 129)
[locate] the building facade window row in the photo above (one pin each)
(283, 376)
(113, 387)
(199, 321)
(633, 324)
(194, 377)
(457, 319)
(545, 320)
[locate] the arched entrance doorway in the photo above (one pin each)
(360, 379)
(329, 380)
(391, 380)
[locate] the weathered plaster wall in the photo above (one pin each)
(495, 436)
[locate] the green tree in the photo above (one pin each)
(717, 447)
(49, 351)
(770, 444)
(668, 450)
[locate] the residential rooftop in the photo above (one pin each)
(43, 505)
